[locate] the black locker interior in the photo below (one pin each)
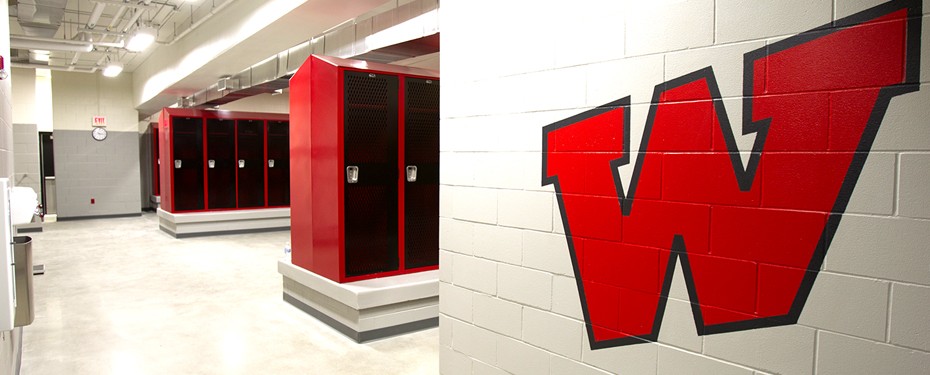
(370, 204)
(250, 149)
(188, 163)
(221, 163)
(421, 197)
(279, 167)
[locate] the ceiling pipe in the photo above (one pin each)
(102, 32)
(80, 69)
(213, 11)
(52, 44)
(74, 60)
(132, 20)
(117, 18)
(144, 4)
(95, 15)
(49, 44)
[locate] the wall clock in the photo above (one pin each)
(99, 133)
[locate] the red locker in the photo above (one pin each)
(365, 169)
(217, 160)
(279, 167)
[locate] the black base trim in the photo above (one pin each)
(364, 336)
(29, 230)
(222, 232)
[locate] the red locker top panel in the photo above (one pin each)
(232, 115)
(375, 67)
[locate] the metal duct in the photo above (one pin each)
(406, 31)
(40, 18)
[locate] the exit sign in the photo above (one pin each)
(100, 121)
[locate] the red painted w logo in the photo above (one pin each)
(750, 239)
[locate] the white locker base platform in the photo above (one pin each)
(224, 222)
(369, 309)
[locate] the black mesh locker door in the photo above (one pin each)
(421, 151)
(370, 147)
(279, 167)
(221, 163)
(187, 134)
(250, 157)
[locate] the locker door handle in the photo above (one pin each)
(177, 164)
(411, 173)
(352, 174)
(211, 163)
(241, 163)
(270, 163)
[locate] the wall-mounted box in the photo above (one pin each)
(358, 127)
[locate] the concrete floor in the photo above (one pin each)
(121, 297)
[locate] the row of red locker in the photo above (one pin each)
(219, 160)
(361, 170)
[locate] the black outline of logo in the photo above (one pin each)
(744, 176)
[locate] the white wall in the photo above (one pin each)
(266, 103)
(509, 301)
(24, 96)
(29, 95)
(43, 91)
(77, 97)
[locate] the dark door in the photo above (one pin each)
(187, 135)
(250, 155)
(156, 161)
(370, 147)
(47, 171)
(221, 163)
(279, 167)
(421, 158)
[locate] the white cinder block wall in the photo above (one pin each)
(508, 296)
(10, 341)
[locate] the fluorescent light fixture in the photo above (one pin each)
(113, 69)
(40, 55)
(141, 39)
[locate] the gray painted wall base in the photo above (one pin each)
(33, 227)
(223, 222)
(362, 337)
(96, 179)
(365, 310)
(91, 217)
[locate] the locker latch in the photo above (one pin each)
(411, 173)
(177, 164)
(352, 174)
(241, 163)
(270, 163)
(211, 163)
